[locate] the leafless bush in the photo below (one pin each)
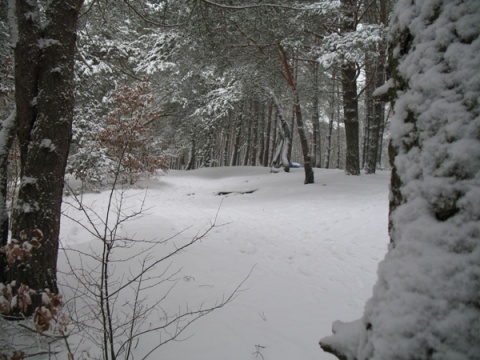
(108, 302)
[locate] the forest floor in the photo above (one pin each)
(312, 253)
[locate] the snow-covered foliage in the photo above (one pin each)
(425, 302)
(93, 52)
(88, 160)
(154, 52)
(6, 70)
(222, 92)
(324, 7)
(351, 47)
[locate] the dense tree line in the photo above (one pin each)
(240, 85)
(181, 84)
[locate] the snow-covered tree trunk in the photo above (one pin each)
(425, 304)
(285, 135)
(7, 134)
(44, 57)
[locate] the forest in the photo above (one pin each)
(107, 97)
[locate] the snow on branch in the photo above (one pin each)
(351, 47)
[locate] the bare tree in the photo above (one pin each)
(111, 307)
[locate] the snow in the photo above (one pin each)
(350, 47)
(384, 89)
(312, 251)
(44, 43)
(47, 144)
(425, 302)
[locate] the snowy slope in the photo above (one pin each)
(314, 251)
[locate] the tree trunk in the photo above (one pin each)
(381, 135)
(208, 149)
(339, 142)
(369, 137)
(350, 111)
(292, 126)
(226, 147)
(329, 141)
(248, 144)
(254, 142)
(380, 80)
(268, 136)
(44, 58)
(286, 135)
(317, 141)
(192, 158)
(307, 165)
(7, 134)
(236, 143)
(261, 137)
(275, 134)
(350, 97)
(376, 106)
(309, 175)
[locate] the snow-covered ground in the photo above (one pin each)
(314, 251)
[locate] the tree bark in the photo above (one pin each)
(7, 134)
(255, 127)
(369, 135)
(248, 144)
(350, 112)
(268, 136)
(44, 58)
(236, 143)
(192, 158)
(350, 97)
(261, 136)
(307, 162)
(275, 119)
(286, 135)
(329, 141)
(226, 148)
(375, 68)
(377, 120)
(317, 141)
